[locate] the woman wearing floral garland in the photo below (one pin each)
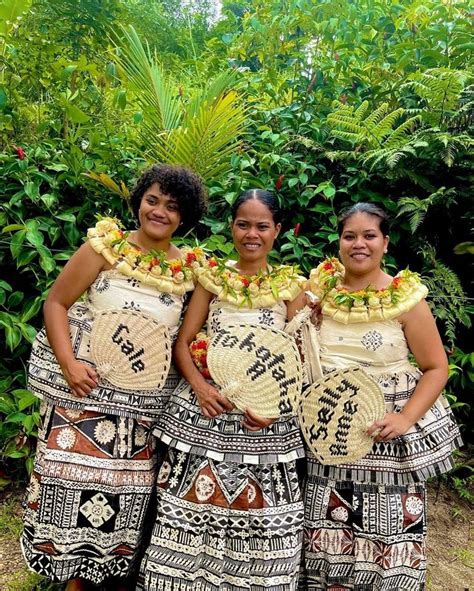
(96, 464)
(229, 503)
(365, 522)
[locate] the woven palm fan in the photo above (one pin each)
(335, 413)
(256, 367)
(130, 349)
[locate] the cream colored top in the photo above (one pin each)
(114, 291)
(378, 347)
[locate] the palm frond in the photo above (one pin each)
(382, 136)
(209, 139)
(416, 209)
(197, 127)
(155, 93)
(439, 88)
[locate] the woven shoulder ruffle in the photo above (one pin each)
(282, 283)
(368, 305)
(175, 276)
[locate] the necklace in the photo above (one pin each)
(152, 268)
(364, 305)
(264, 288)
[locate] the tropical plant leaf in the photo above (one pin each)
(155, 93)
(201, 132)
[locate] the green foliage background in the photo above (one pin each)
(334, 102)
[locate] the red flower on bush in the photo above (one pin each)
(297, 228)
(279, 182)
(20, 153)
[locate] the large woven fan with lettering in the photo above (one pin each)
(335, 413)
(130, 349)
(256, 367)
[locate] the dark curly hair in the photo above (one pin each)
(179, 182)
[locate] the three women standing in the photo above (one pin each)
(95, 465)
(230, 512)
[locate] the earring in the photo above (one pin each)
(385, 251)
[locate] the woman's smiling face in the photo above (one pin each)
(159, 214)
(254, 230)
(362, 243)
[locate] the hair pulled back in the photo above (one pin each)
(262, 195)
(369, 209)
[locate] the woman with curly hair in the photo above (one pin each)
(96, 461)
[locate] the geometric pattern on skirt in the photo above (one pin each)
(364, 537)
(224, 526)
(223, 438)
(423, 452)
(88, 496)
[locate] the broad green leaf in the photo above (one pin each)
(75, 114)
(25, 398)
(31, 309)
(4, 285)
(66, 217)
(28, 331)
(12, 337)
(13, 227)
(15, 298)
(32, 190)
(3, 99)
(10, 10)
(16, 242)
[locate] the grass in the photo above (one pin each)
(11, 525)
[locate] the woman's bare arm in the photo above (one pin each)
(425, 343)
(212, 402)
(78, 274)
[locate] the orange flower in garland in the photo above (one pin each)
(198, 349)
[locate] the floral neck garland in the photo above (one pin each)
(253, 291)
(364, 305)
(152, 268)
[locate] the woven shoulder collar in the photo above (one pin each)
(175, 276)
(367, 305)
(281, 283)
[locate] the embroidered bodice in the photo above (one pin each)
(379, 347)
(222, 314)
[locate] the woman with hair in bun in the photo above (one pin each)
(95, 466)
(365, 521)
(229, 504)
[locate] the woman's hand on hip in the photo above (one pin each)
(211, 401)
(392, 425)
(82, 378)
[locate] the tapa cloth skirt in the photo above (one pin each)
(87, 500)
(363, 537)
(224, 526)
